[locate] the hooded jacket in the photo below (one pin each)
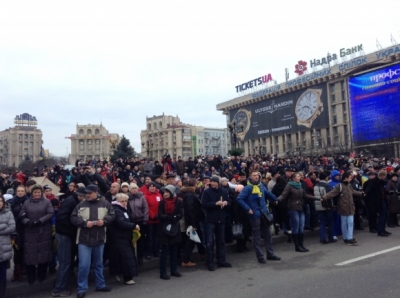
(334, 182)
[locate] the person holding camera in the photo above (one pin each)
(91, 216)
(36, 214)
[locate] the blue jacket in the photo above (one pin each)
(334, 182)
(247, 200)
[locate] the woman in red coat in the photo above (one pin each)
(153, 198)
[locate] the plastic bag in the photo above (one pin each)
(237, 231)
(193, 234)
(135, 236)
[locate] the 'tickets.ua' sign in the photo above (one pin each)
(253, 83)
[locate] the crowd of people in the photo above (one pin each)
(119, 214)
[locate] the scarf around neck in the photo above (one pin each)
(169, 205)
(296, 185)
(256, 188)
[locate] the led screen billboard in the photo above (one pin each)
(301, 110)
(375, 105)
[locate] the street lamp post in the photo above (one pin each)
(148, 147)
(300, 149)
(316, 138)
(234, 129)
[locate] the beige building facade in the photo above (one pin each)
(272, 117)
(25, 139)
(92, 142)
(166, 133)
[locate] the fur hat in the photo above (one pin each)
(124, 184)
(133, 185)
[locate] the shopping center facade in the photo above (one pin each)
(347, 102)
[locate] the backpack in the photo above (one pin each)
(336, 198)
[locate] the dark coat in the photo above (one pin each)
(64, 225)
(191, 206)
(175, 217)
(392, 197)
(375, 192)
(211, 196)
(122, 256)
(37, 240)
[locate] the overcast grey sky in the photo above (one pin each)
(69, 62)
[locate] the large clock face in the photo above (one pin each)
(306, 105)
(241, 117)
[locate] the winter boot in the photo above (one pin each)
(301, 243)
(297, 247)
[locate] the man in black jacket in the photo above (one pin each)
(65, 237)
(214, 201)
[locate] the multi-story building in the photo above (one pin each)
(20, 141)
(340, 107)
(92, 142)
(168, 134)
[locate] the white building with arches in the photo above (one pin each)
(92, 141)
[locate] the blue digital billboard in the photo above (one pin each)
(375, 105)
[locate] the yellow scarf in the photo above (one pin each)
(256, 189)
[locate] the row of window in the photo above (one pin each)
(89, 132)
(26, 136)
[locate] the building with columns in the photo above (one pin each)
(332, 108)
(168, 134)
(92, 141)
(24, 139)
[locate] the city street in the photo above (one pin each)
(312, 274)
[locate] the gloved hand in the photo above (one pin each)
(36, 223)
(30, 223)
(170, 217)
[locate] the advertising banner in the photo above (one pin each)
(375, 105)
(297, 111)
